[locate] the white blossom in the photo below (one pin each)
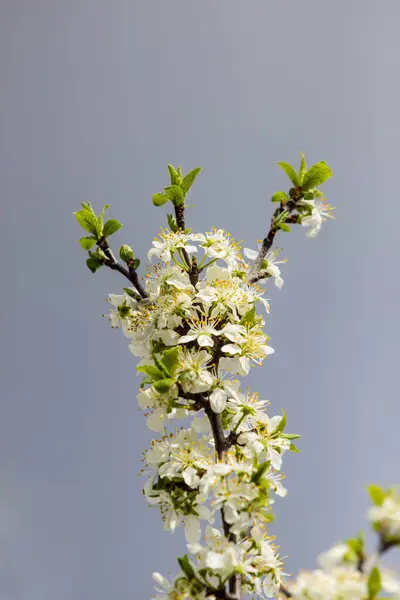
(219, 244)
(387, 515)
(169, 243)
(271, 264)
(320, 212)
(201, 331)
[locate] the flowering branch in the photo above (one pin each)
(196, 329)
(345, 571)
(99, 233)
(301, 198)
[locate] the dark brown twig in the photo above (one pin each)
(180, 221)
(255, 273)
(113, 264)
(283, 590)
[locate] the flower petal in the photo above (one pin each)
(218, 400)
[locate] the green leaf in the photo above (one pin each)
(111, 227)
(175, 194)
(290, 172)
(126, 253)
(131, 293)
(176, 178)
(249, 317)
(186, 567)
(377, 494)
(170, 359)
(189, 178)
(87, 242)
(357, 544)
(94, 264)
(303, 168)
(257, 476)
(136, 263)
(293, 448)
(160, 199)
(163, 385)
(101, 216)
(88, 221)
(374, 583)
(99, 254)
(284, 226)
(281, 216)
(172, 223)
(151, 371)
(291, 436)
(281, 425)
(280, 197)
(316, 175)
(160, 366)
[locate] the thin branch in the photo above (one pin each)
(180, 221)
(129, 273)
(385, 545)
(135, 280)
(255, 273)
(283, 590)
(222, 445)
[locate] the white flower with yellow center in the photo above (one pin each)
(194, 375)
(168, 243)
(220, 244)
(320, 213)
(181, 589)
(251, 347)
(188, 456)
(125, 306)
(202, 331)
(270, 264)
(255, 294)
(249, 410)
(260, 438)
(171, 308)
(268, 563)
(160, 280)
(219, 555)
(171, 514)
(159, 413)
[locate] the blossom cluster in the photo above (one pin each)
(341, 576)
(346, 572)
(197, 326)
(385, 514)
(192, 342)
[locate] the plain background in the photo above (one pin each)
(97, 97)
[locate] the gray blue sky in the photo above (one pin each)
(97, 97)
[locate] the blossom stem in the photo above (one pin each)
(202, 267)
(180, 265)
(181, 254)
(242, 418)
